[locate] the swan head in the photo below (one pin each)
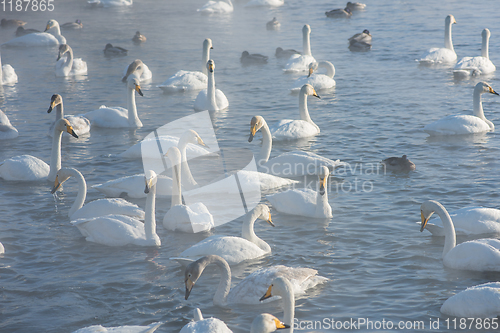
(174, 155)
(150, 179)
(135, 65)
(64, 125)
(312, 67)
(306, 30)
(134, 84)
(307, 89)
(280, 286)
(51, 24)
(62, 175)
(193, 271)
(483, 87)
(486, 33)
(426, 210)
(450, 19)
(63, 48)
(255, 124)
(323, 179)
(266, 322)
(207, 44)
(191, 136)
(265, 213)
(55, 100)
(211, 66)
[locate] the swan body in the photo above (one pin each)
(274, 24)
(339, 13)
(217, 7)
(72, 25)
(469, 221)
(120, 329)
(113, 51)
(140, 69)
(249, 290)
(234, 249)
(468, 66)
(361, 41)
(398, 164)
(81, 125)
(266, 323)
(190, 80)
(318, 81)
(7, 131)
(305, 202)
(138, 37)
(442, 55)
(481, 301)
(69, 66)
(299, 63)
(95, 208)
(465, 124)
(7, 74)
(201, 324)
(253, 59)
(120, 230)
(29, 168)
(110, 3)
(118, 117)
(40, 39)
(265, 3)
(476, 255)
(211, 99)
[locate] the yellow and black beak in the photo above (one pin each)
(189, 286)
(316, 95)
(322, 185)
(311, 71)
(424, 221)
(52, 105)
(56, 186)
(70, 130)
(280, 325)
(270, 221)
(138, 89)
(201, 143)
(211, 68)
(268, 293)
(47, 27)
(148, 185)
(253, 130)
(493, 91)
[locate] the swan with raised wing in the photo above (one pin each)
(468, 66)
(81, 125)
(211, 99)
(444, 54)
(300, 63)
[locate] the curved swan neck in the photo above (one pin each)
(55, 157)
(247, 230)
(205, 57)
(267, 144)
(224, 286)
(150, 217)
(82, 192)
(485, 46)
(303, 111)
(133, 118)
(449, 229)
(212, 102)
(447, 35)
(478, 104)
(330, 69)
(69, 60)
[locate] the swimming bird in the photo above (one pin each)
(12, 23)
(253, 59)
(190, 80)
(200, 324)
(7, 131)
(21, 31)
(361, 42)
(217, 7)
(281, 286)
(280, 53)
(138, 68)
(81, 125)
(468, 66)
(211, 99)
(318, 81)
(481, 301)
(274, 24)
(72, 25)
(339, 13)
(476, 255)
(398, 164)
(51, 36)
(66, 65)
(112, 51)
(265, 3)
(465, 124)
(355, 5)
(442, 55)
(299, 63)
(8, 75)
(110, 3)
(138, 37)
(266, 323)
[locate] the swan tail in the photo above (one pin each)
(182, 261)
(198, 315)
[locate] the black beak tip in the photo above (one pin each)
(74, 134)
(140, 92)
(49, 110)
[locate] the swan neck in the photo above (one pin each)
(267, 144)
(449, 229)
(176, 185)
(212, 102)
(288, 309)
(55, 157)
(330, 69)
(322, 204)
(150, 218)
(82, 193)
(187, 176)
(59, 111)
(204, 59)
(248, 232)
(478, 104)
(303, 110)
(306, 44)
(220, 297)
(133, 118)
(447, 37)
(485, 47)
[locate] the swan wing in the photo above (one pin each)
(299, 63)
(190, 219)
(294, 202)
(120, 329)
(34, 39)
(216, 7)
(438, 55)
(24, 168)
(481, 301)
(79, 67)
(265, 3)
(108, 206)
(299, 163)
(477, 255)
(481, 65)
(457, 125)
(185, 80)
(221, 99)
(114, 117)
(7, 131)
(293, 129)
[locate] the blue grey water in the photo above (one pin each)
(379, 265)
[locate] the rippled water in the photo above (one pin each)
(379, 265)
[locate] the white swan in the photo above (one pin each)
(300, 63)
(69, 66)
(140, 69)
(295, 163)
(81, 125)
(211, 99)
(94, 208)
(469, 221)
(217, 7)
(193, 218)
(200, 324)
(305, 202)
(266, 323)
(476, 65)
(7, 74)
(118, 117)
(288, 129)
(465, 124)
(120, 329)
(120, 230)
(30, 168)
(110, 3)
(481, 301)
(442, 55)
(7, 131)
(40, 39)
(233, 249)
(281, 286)
(318, 81)
(265, 3)
(190, 80)
(247, 291)
(476, 255)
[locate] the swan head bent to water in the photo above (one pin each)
(255, 124)
(266, 323)
(61, 176)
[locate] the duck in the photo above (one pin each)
(125, 329)
(274, 24)
(81, 125)
(266, 323)
(113, 51)
(234, 250)
(317, 81)
(211, 99)
(8, 75)
(139, 38)
(339, 13)
(20, 31)
(253, 59)
(281, 286)
(72, 25)
(12, 23)
(118, 117)
(442, 55)
(217, 7)
(291, 164)
(361, 42)
(140, 69)
(69, 66)
(465, 124)
(265, 3)
(280, 53)
(355, 6)
(121, 230)
(398, 164)
(200, 324)
(50, 37)
(110, 3)
(481, 301)
(30, 168)
(94, 208)
(7, 131)
(299, 63)
(468, 66)
(476, 255)
(305, 202)
(301, 278)
(190, 80)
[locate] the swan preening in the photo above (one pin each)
(442, 55)
(211, 99)
(254, 284)
(217, 7)
(7, 74)
(66, 65)
(468, 66)
(120, 230)
(476, 255)
(318, 81)
(81, 125)
(29, 168)
(7, 131)
(481, 301)
(465, 124)
(281, 286)
(140, 69)
(40, 39)
(124, 329)
(190, 80)
(300, 63)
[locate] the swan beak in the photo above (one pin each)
(316, 95)
(253, 130)
(58, 57)
(493, 91)
(148, 186)
(138, 89)
(56, 186)
(47, 27)
(52, 105)
(201, 143)
(189, 286)
(310, 71)
(70, 130)
(211, 68)
(270, 221)
(322, 185)
(267, 294)
(280, 325)
(424, 221)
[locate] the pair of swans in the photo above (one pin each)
(468, 66)
(217, 7)
(255, 284)
(190, 80)
(318, 81)
(7, 131)
(211, 99)
(300, 63)
(465, 124)
(140, 69)
(30, 168)
(8, 75)
(291, 164)
(81, 125)
(442, 55)
(66, 65)
(476, 255)
(40, 38)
